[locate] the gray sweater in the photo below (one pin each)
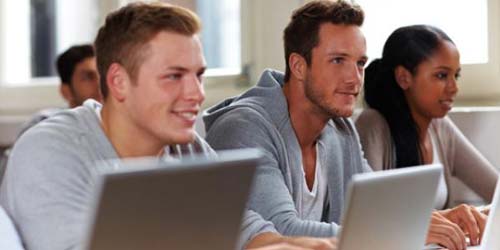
(51, 174)
(259, 118)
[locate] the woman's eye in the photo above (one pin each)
(442, 75)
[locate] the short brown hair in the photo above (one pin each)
(301, 34)
(126, 32)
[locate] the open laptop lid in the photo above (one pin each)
(389, 209)
(194, 204)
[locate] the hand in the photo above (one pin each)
(469, 219)
(445, 233)
(313, 243)
(484, 209)
(273, 241)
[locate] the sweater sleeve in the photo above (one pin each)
(46, 191)
(467, 163)
(10, 239)
(252, 225)
(375, 138)
(270, 196)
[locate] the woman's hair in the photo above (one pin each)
(408, 47)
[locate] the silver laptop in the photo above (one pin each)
(491, 237)
(389, 209)
(194, 204)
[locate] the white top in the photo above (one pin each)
(442, 191)
(314, 200)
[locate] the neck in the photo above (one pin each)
(127, 139)
(307, 121)
(422, 126)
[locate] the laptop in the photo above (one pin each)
(491, 237)
(196, 203)
(389, 209)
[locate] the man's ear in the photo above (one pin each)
(67, 93)
(118, 81)
(403, 77)
(298, 66)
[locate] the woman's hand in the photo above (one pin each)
(445, 233)
(469, 219)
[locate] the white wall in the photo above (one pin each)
(267, 21)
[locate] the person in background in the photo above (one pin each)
(78, 73)
(79, 81)
(409, 91)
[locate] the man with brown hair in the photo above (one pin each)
(150, 60)
(78, 72)
(300, 120)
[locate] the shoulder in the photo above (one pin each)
(63, 125)
(444, 128)
(241, 128)
(369, 117)
(240, 120)
(58, 137)
(371, 121)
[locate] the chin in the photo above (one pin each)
(185, 138)
(441, 115)
(345, 113)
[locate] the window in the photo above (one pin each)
(466, 22)
(221, 33)
(36, 31)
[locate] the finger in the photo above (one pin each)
(442, 240)
(454, 234)
(440, 226)
(460, 237)
(481, 221)
(470, 224)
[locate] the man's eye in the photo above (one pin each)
(362, 63)
(337, 60)
(174, 76)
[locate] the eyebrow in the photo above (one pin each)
(178, 68)
(184, 69)
(447, 68)
(365, 57)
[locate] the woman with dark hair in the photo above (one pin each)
(409, 91)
